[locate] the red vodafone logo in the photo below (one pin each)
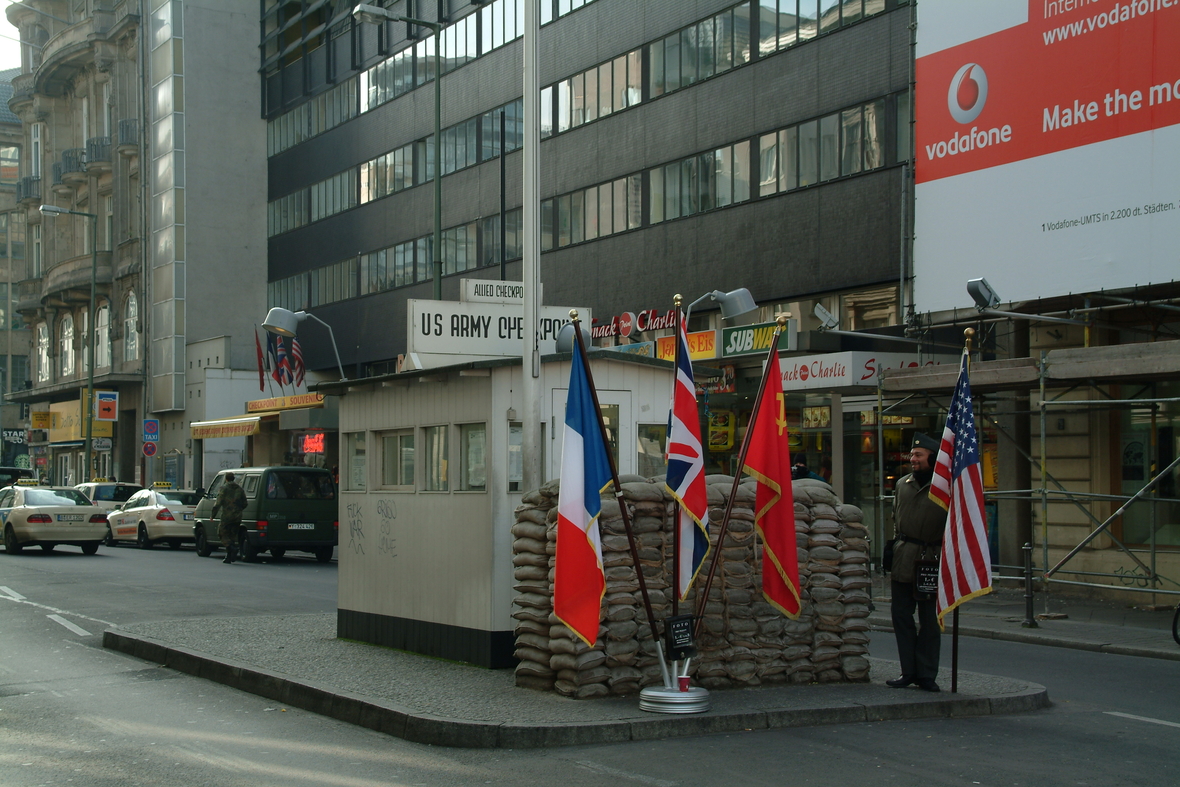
(968, 93)
(626, 323)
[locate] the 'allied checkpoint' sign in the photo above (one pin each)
(489, 329)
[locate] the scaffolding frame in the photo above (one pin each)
(1064, 372)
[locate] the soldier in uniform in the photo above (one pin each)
(918, 524)
(231, 501)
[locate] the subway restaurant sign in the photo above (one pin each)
(752, 339)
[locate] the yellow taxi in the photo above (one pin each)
(159, 514)
(47, 516)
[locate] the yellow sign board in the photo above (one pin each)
(702, 345)
(67, 424)
(41, 420)
(285, 403)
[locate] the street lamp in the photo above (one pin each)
(733, 303)
(372, 14)
(284, 322)
(53, 210)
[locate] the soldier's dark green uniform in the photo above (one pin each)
(919, 523)
(231, 501)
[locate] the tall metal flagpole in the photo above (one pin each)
(968, 334)
(580, 349)
(530, 430)
(771, 368)
(676, 301)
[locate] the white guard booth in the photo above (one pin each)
(430, 477)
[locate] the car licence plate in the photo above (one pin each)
(301, 526)
(70, 517)
(187, 517)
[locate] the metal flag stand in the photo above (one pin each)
(652, 698)
(676, 695)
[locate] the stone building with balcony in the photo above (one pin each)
(140, 119)
(14, 337)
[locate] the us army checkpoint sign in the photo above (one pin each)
(489, 329)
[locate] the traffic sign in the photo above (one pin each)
(107, 405)
(151, 430)
(149, 449)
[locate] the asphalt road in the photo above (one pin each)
(73, 713)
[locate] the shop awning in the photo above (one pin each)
(240, 426)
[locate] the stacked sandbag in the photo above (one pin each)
(744, 641)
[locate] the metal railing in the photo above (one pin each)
(73, 160)
(98, 149)
(129, 132)
(28, 188)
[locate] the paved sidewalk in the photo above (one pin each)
(297, 661)
(1104, 626)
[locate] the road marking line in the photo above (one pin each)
(638, 777)
(81, 632)
(23, 600)
(11, 593)
(1141, 718)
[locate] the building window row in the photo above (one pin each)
(399, 460)
(704, 49)
(839, 144)
(495, 25)
(713, 179)
(592, 213)
(784, 23)
(465, 247)
(318, 201)
(554, 9)
(315, 116)
(711, 46)
(464, 144)
(73, 343)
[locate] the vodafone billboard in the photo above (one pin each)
(1048, 147)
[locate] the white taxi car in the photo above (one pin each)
(47, 516)
(154, 515)
(107, 495)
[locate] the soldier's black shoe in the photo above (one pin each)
(227, 559)
(230, 556)
(901, 682)
(928, 684)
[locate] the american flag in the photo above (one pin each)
(965, 568)
(686, 471)
(297, 361)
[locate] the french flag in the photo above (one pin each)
(579, 582)
(686, 471)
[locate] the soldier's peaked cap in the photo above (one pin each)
(925, 441)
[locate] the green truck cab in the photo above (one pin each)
(287, 509)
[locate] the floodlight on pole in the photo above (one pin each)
(986, 299)
(733, 303)
(285, 322)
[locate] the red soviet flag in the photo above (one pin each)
(768, 460)
(261, 363)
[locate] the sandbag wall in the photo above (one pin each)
(744, 640)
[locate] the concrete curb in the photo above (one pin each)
(401, 722)
(1033, 637)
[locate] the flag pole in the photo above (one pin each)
(676, 301)
(771, 367)
(968, 333)
(614, 473)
